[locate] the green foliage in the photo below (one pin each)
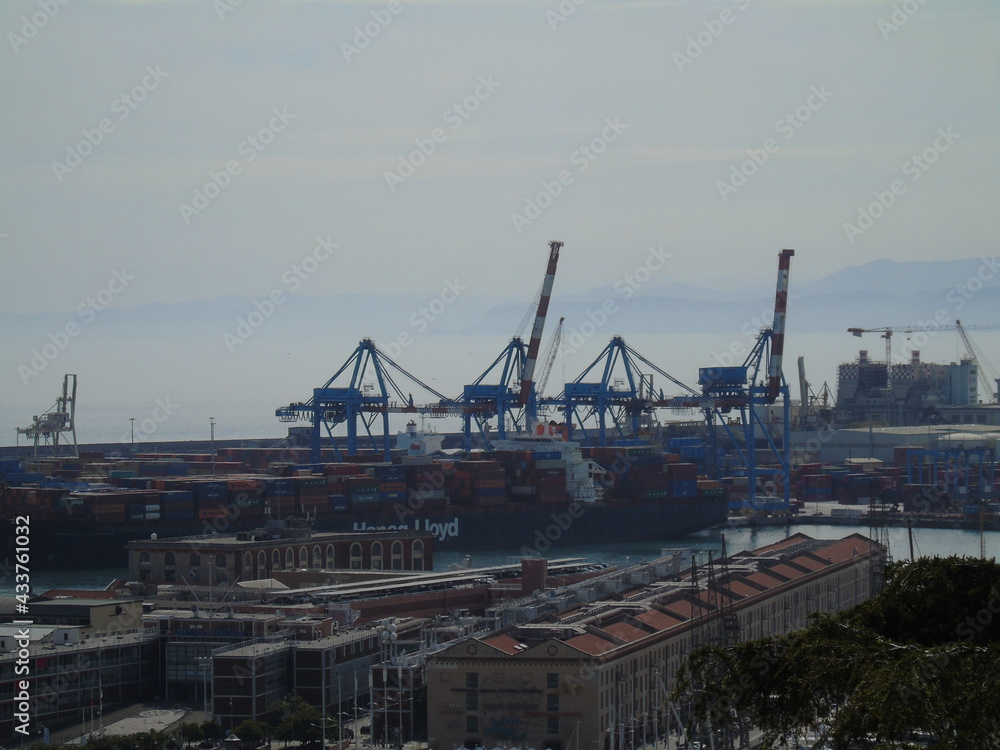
(141, 740)
(294, 719)
(921, 657)
(251, 730)
(212, 730)
(192, 731)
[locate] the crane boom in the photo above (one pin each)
(550, 360)
(778, 327)
(973, 355)
(536, 331)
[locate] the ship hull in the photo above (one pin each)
(65, 544)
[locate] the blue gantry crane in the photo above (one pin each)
(747, 390)
(350, 397)
(615, 393)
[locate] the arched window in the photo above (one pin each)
(195, 561)
(397, 555)
(290, 559)
(417, 555)
(144, 558)
(168, 560)
(262, 564)
(247, 566)
(317, 557)
(275, 560)
(220, 561)
(376, 556)
(303, 557)
(331, 561)
(355, 556)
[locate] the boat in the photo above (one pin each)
(533, 494)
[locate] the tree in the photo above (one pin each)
(192, 731)
(252, 731)
(212, 730)
(294, 719)
(922, 658)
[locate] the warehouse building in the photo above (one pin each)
(597, 675)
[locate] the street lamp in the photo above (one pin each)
(211, 422)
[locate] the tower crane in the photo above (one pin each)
(979, 362)
(887, 333)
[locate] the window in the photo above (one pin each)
(290, 559)
(376, 556)
(144, 558)
(552, 725)
(417, 555)
(330, 557)
(275, 560)
(472, 680)
(317, 557)
(472, 701)
(303, 557)
(168, 560)
(169, 576)
(397, 555)
(552, 680)
(552, 702)
(247, 566)
(355, 556)
(261, 564)
(472, 724)
(195, 561)
(220, 561)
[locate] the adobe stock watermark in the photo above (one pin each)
(915, 167)
(581, 158)
(626, 288)
(697, 44)
(370, 30)
(291, 279)
(31, 25)
(562, 12)
(420, 320)
(455, 116)
(249, 148)
(751, 328)
(901, 14)
(123, 105)
(148, 426)
(786, 127)
(87, 312)
(223, 8)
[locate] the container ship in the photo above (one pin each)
(528, 494)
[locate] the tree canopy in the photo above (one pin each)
(917, 663)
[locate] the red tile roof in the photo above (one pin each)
(626, 632)
(591, 644)
(505, 643)
(658, 620)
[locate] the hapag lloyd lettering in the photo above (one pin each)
(439, 530)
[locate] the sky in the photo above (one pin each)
(170, 151)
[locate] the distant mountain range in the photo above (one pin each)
(880, 293)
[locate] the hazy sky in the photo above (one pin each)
(418, 137)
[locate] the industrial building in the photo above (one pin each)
(598, 675)
(908, 393)
(218, 560)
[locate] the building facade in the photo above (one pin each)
(216, 560)
(597, 675)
